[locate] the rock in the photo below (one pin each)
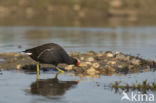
(102, 70)
(88, 63)
(91, 53)
(92, 63)
(112, 62)
(109, 54)
(96, 65)
(120, 66)
(110, 69)
(74, 53)
(69, 67)
(82, 58)
(18, 66)
(90, 59)
(100, 54)
(91, 71)
(117, 52)
(135, 61)
(84, 64)
(120, 57)
(130, 67)
(97, 72)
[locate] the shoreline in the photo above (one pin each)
(93, 64)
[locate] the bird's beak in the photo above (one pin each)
(79, 64)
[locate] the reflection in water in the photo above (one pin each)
(51, 88)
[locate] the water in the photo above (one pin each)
(131, 40)
(19, 86)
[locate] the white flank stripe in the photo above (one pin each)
(28, 53)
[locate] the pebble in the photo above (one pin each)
(120, 57)
(91, 71)
(96, 65)
(92, 63)
(18, 66)
(112, 62)
(88, 63)
(82, 58)
(135, 61)
(110, 69)
(100, 54)
(110, 55)
(69, 67)
(91, 53)
(84, 64)
(90, 59)
(117, 52)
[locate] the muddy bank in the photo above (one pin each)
(92, 63)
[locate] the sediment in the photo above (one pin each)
(92, 63)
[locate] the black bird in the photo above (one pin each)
(50, 53)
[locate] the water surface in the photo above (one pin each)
(19, 86)
(130, 40)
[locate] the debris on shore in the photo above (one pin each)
(142, 87)
(92, 63)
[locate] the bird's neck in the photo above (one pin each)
(69, 60)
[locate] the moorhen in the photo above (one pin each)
(50, 53)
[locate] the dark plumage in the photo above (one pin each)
(50, 54)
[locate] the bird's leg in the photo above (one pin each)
(38, 71)
(58, 74)
(59, 69)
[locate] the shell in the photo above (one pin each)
(91, 71)
(110, 55)
(90, 59)
(69, 67)
(96, 65)
(18, 66)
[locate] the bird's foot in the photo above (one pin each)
(61, 71)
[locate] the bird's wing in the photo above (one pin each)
(49, 56)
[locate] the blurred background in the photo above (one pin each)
(80, 25)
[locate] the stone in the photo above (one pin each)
(91, 53)
(84, 64)
(18, 66)
(69, 67)
(120, 57)
(110, 55)
(100, 54)
(112, 62)
(96, 65)
(88, 63)
(117, 52)
(135, 62)
(90, 59)
(110, 69)
(91, 71)
(82, 58)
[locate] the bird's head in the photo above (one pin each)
(76, 62)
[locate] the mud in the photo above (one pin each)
(92, 63)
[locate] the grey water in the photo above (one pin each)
(18, 86)
(131, 40)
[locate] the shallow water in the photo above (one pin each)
(131, 40)
(20, 86)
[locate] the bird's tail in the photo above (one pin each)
(25, 52)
